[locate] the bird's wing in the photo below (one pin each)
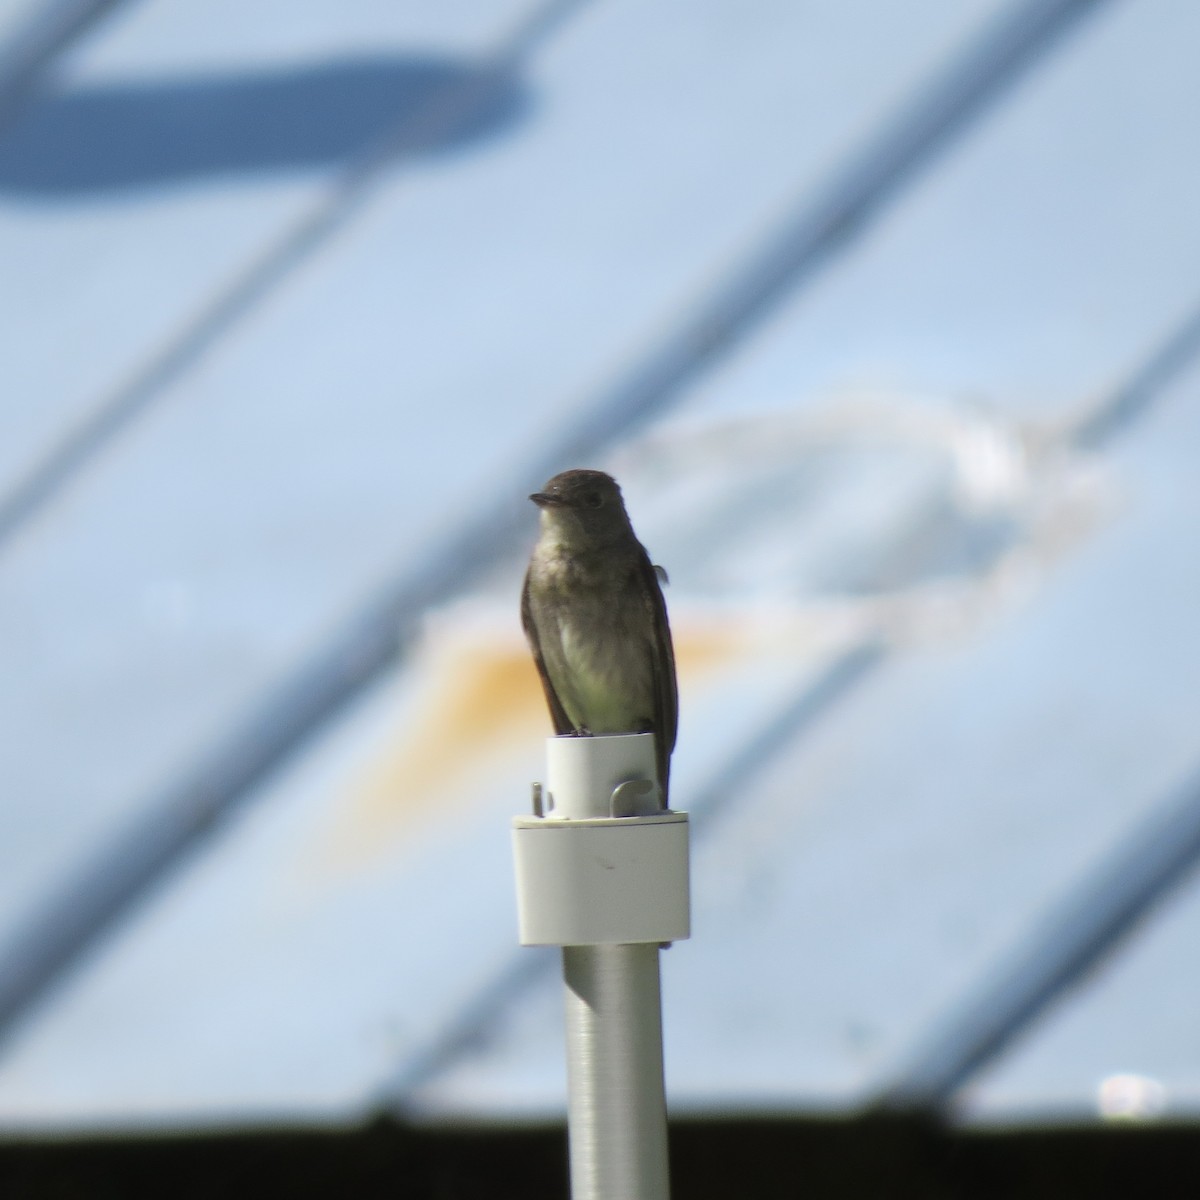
(562, 723)
(666, 696)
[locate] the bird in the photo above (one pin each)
(594, 615)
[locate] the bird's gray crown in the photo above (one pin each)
(579, 489)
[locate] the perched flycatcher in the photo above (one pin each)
(594, 615)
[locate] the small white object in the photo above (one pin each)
(1129, 1097)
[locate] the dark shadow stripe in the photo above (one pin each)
(1085, 926)
(1178, 351)
(1100, 911)
(850, 670)
(824, 224)
(29, 52)
(447, 111)
(113, 138)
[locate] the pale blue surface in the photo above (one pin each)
(811, 494)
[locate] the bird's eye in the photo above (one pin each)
(593, 500)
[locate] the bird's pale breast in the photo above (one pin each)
(594, 649)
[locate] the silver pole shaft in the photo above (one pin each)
(616, 1103)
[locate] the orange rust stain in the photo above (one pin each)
(699, 651)
(481, 696)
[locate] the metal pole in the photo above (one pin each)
(617, 1109)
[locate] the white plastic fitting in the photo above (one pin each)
(587, 877)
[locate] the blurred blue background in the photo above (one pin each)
(886, 317)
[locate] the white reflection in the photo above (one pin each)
(1131, 1098)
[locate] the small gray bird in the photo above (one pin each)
(595, 619)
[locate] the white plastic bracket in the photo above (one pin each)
(600, 863)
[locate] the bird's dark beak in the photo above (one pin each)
(546, 500)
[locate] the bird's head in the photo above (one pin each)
(582, 506)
